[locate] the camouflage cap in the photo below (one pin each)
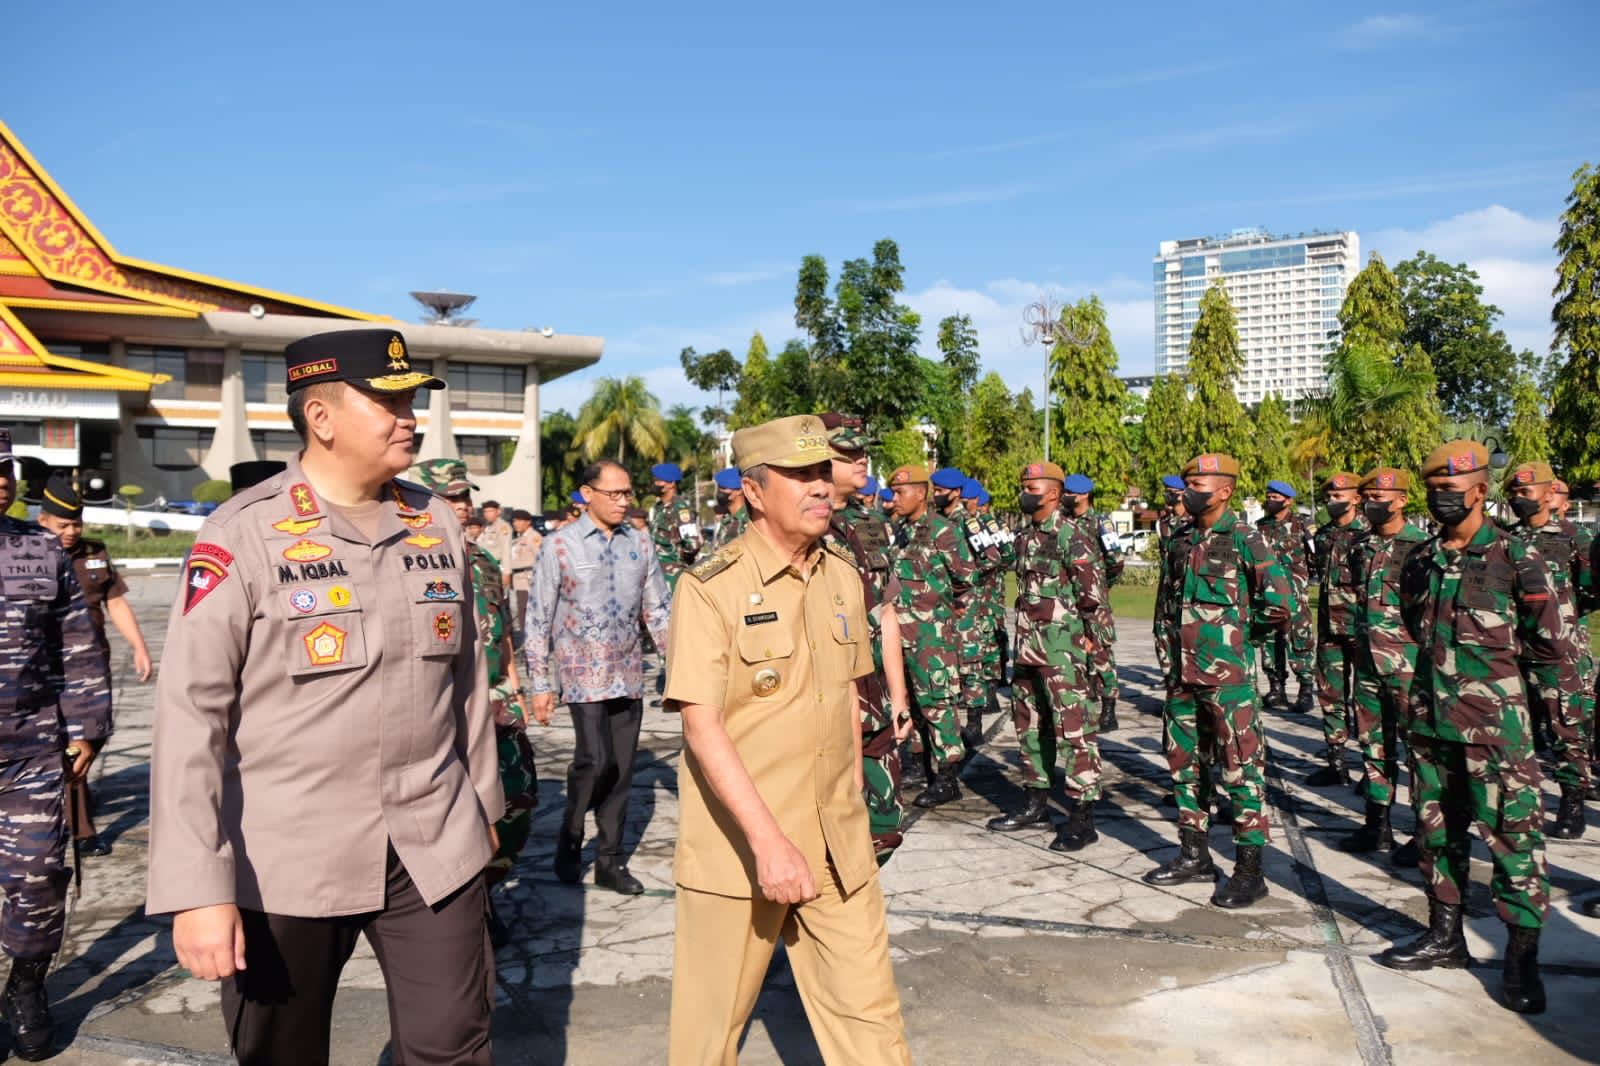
(1530, 474)
(1387, 477)
(1456, 457)
(1217, 463)
(1340, 479)
(909, 475)
(447, 477)
(1048, 471)
(791, 442)
(846, 432)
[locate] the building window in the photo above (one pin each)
(281, 444)
(203, 374)
(170, 361)
(175, 447)
(485, 456)
(86, 350)
(486, 387)
(264, 378)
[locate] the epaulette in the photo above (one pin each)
(723, 558)
(417, 488)
(840, 549)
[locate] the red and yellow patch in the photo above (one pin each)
(306, 551)
(1462, 463)
(325, 645)
(444, 625)
(303, 500)
(200, 577)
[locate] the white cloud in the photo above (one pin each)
(1374, 31)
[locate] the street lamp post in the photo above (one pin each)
(1042, 324)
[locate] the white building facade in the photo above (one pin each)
(1286, 294)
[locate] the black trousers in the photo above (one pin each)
(436, 962)
(601, 774)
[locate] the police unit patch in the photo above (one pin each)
(306, 551)
(200, 577)
(444, 625)
(339, 596)
(303, 600)
(439, 590)
(325, 645)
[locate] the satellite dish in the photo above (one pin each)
(547, 332)
(257, 311)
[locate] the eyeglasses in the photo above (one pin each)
(618, 495)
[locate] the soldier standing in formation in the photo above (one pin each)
(935, 569)
(673, 527)
(1584, 543)
(106, 595)
(1336, 613)
(1169, 523)
(1228, 591)
(730, 508)
(1060, 591)
(1286, 534)
(947, 484)
(1076, 499)
(1559, 694)
(993, 636)
(57, 697)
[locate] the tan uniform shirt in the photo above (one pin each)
(321, 695)
(496, 539)
(777, 653)
(524, 550)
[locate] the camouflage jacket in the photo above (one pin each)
(1228, 589)
(872, 534)
(676, 536)
(998, 546)
(1291, 539)
(1336, 581)
(729, 527)
(1060, 586)
(935, 570)
(1377, 561)
(1107, 545)
(1168, 587)
(54, 681)
(1570, 567)
(1474, 613)
(492, 609)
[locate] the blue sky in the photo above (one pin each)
(654, 176)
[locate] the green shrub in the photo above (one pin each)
(213, 491)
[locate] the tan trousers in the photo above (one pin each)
(838, 948)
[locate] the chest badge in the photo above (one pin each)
(296, 527)
(306, 551)
(444, 625)
(765, 683)
(417, 521)
(325, 645)
(339, 596)
(438, 590)
(303, 600)
(301, 498)
(423, 541)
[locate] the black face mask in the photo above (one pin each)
(1337, 509)
(1195, 501)
(945, 500)
(1069, 503)
(1377, 512)
(1274, 507)
(1029, 502)
(1172, 497)
(1448, 508)
(723, 503)
(1524, 508)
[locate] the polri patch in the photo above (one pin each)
(760, 617)
(201, 576)
(439, 590)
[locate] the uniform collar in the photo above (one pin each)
(396, 506)
(1225, 522)
(771, 565)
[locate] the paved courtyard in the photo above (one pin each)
(1005, 952)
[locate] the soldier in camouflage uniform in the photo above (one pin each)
(885, 705)
(1169, 523)
(56, 695)
(1060, 590)
(1557, 695)
(1287, 534)
(492, 610)
(1385, 653)
(1588, 590)
(732, 515)
(935, 570)
(672, 524)
(1228, 590)
(997, 536)
(1076, 496)
(1477, 601)
(1336, 655)
(975, 623)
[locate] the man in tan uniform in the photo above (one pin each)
(767, 640)
(524, 550)
(323, 761)
(496, 538)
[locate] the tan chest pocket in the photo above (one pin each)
(322, 628)
(436, 628)
(766, 662)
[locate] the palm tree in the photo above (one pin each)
(1374, 403)
(621, 412)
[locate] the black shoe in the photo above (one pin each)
(1333, 771)
(1277, 698)
(1569, 822)
(1407, 856)
(1306, 702)
(1108, 715)
(1442, 945)
(1590, 907)
(608, 873)
(24, 1004)
(1079, 832)
(1375, 835)
(94, 846)
(912, 770)
(1224, 813)
(972, 738)
(944, 789)
(1246, 885)
(1170, 801)
(568, 864)
(1524, 989)
(1192, 864)
(499, 932)
(1035, 809)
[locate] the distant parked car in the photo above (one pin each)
(193, 507)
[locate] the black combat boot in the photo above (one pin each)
(1590, 907)
(946, 787)
(1079, 832)
(1524, 989)
(1192, 864)
(1245, 885)
(1375, 835)
(569, 852)
(1277, 698)
(1442, 945)
(1306, 702)
(913, 767)
(1570, 822)
(611, 872)
(33, 1032)
(1333, 771)
(1035, 809)
(1108, 714)
(1407, 856)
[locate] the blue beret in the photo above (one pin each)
(729, 479)
(666, 472)
(870, 488)
(577, 497)
(886, 495)
(983, 496)
(1174, 482)
(1077, 484)
(1282, 488)
(971, 489)
(948, 477)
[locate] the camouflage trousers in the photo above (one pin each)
(33, 856)
(933, 676)
(1292, 649)
(1205, 726)
(1569, 710)
(995, 641)
(1051, 711)
(1496, 788)
(880, 764)
(1103, 661)
(1380, 707)
(1335, 664)
(519, 780)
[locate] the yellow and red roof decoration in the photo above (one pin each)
(52, 257)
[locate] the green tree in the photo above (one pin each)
(1445, 314)
(622, 414)
(1216, 419)
(1527, 439)
(716, 372)
(1418, 421)
(1575, 398)
(1270, 460)
(751, 407)
(944, 407)
(900, 447)
(791, 389)
(1166, 434)
(958, 344)
(559, 457)
(1088, 401)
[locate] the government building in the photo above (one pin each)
(162, 378)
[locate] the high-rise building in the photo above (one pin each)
(1286, 292)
